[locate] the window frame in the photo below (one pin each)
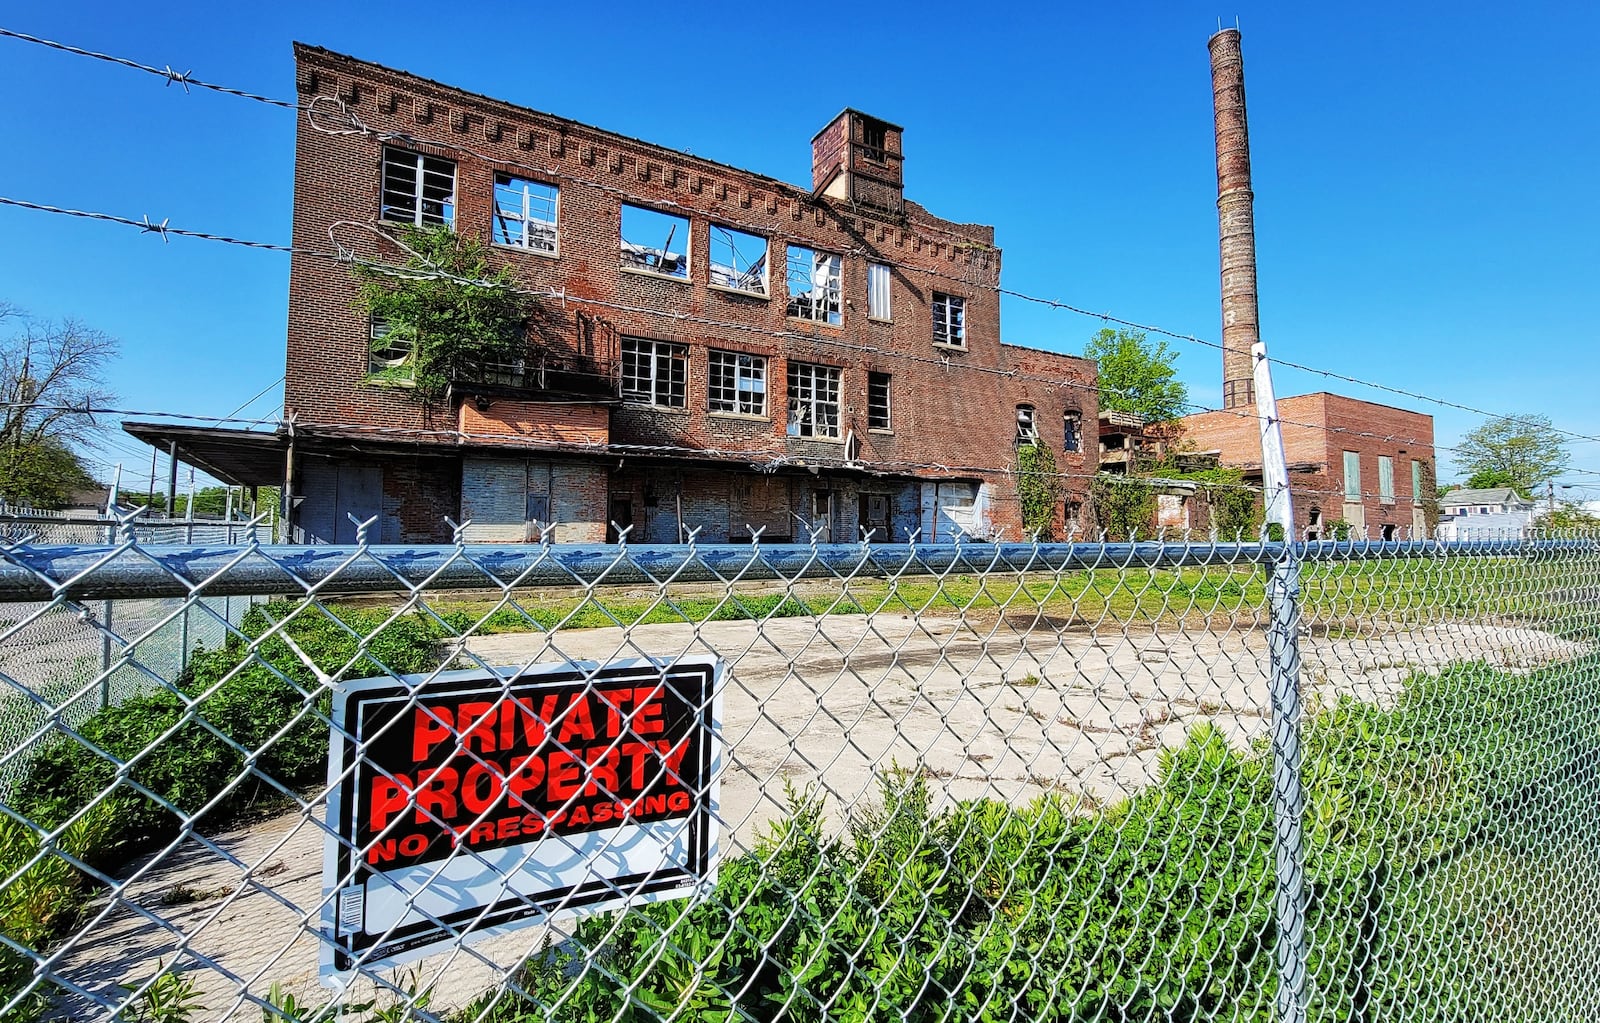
(945, 299)
(388, 371)
(1031, 434)
(833, 310)
(875, 379)
(812, 403)
(661, 353)
(418, 162)
(724, 361)
(711, 264)
(1072, 431)
(1386, 479)
(1352, 458)
(886, 313)
(504, 179)
(634, 267)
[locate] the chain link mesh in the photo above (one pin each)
(970, 782)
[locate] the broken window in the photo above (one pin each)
(737, 383)
(655, 242)
(1027, 429)
(1072, 430)
(814, 285)
(1386, 479)
(949, 320)
(654, 371)
(738, 260)
(525, 213)
(874, 141)
(878, 291)
(878, 401)
(389, 354)
(417, 189)
(1352, 476)
(813, 400)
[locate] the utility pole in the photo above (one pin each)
(1550, 494)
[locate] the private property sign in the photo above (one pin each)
(475, 802)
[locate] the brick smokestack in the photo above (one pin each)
(1241, 326)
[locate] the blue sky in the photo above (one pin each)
(1425, 174)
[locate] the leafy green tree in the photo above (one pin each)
(1569, 520)
(51, 381)
(1512, 451)
(446, 324)
(1136, 376)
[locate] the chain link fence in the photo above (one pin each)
(1155, 781)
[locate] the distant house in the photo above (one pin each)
(1484, 514)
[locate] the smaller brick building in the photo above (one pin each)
(717, 351)
(1357, 461)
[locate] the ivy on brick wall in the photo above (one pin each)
(429, 328)
(1038, 490)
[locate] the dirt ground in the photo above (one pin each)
(1006, 707)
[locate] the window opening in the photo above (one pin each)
(654, 371)
(878, 407)
(737, 383)
(813, 285)
(878, 306)
(813, 400)
(418, 189)
(1027, 430)
(525, 213)
(738, 260)
(1071, 429)
(1389, 531)
(655, 242)
(874, 141)
(949, 320)
(389, 354)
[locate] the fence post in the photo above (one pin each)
(105, 621)
(1283, 645)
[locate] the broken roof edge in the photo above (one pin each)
(1049, 351)
(858, 112)
(303, 50)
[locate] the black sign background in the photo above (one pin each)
(685, 714)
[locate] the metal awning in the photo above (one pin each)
(245, 458)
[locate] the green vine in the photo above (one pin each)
(1123, 505)
(1038, 490)
(447, 324)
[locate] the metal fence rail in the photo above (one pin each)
(953, 782)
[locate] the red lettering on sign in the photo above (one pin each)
(430, 727)
(577, 723)
(388, 799)
(436, 794)
(481, 788)
(561, 776)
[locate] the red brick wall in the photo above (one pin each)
(950, 407)
(504, 421)
(1318, 429)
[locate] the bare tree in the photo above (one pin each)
(52, 381)
(51, 385)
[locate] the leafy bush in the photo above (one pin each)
(1156, 908)
(268, 700)
(1038, 490)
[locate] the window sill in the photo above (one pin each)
(525, 250)
(451, 224)
(880, 431)
(675, 410)
(744, 417)
(947, 346)
(880, 319)
(816, 440)
(816, 323)
(377, 381)
(636, 272)
(742, 292)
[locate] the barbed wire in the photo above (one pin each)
(355, 126)
(347, 256)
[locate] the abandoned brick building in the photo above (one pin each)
(717, 350)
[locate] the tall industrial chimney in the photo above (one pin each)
(1236, 220)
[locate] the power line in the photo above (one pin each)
(353, 125)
